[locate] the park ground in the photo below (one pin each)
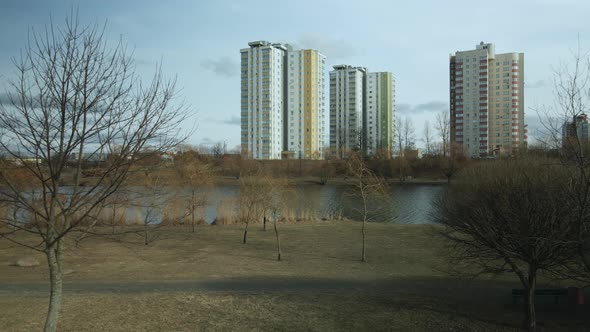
(210, 281)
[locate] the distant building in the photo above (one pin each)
(282, 102)
(575, 133)
(577, 128)
(379, 114)
(262, 99)
(487, 102)
(347, 104)
(305, 104)
(362, 106)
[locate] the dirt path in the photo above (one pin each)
(459, 290)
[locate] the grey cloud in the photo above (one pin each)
(141, 62)
(223, 66)
(403, 108)
(338, 48)
(537, 84)
(138, 61)
(205, 140)
(431, 106)
(234, 120)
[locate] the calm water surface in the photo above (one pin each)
(411, 204)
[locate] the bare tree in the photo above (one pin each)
(195, 174)
(150, 203)
(275, 218)
(567, 128)
(427, 137)
(443, 128)
(370, 189)
(218, 150)
(151, 198)
(249, 200)
(77, 99)
(273, 196)
(404, 134)
(404, 138)
(508, 216)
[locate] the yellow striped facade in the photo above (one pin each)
(305, 107)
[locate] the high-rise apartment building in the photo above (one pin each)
(487, 102)
(578, 128)
(347, 102)
(379, 114)
(262, 99)
(304, 125)
(282, 102)
(575, 136)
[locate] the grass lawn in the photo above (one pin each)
(209, 280)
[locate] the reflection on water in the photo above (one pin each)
(411, 204)
(407, 204)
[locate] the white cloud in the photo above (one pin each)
(431, 106)
(224, 66)
(333, 48)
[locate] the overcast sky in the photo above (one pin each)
(199, 41)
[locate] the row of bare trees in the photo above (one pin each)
(262, 198)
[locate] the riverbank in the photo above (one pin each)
(311, 180)
(209, 280)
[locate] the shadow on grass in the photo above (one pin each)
(485, 301)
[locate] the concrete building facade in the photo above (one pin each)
(304, 114)
(282, 102)
(263, 73)
(347, 103)
(379, 114)
(487, 102)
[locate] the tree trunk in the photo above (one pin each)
(55, 282)
(146, 239)
(113, 218)
(364, 257)
(193, 211)
(264, 222)
(245, 234)
(530, 300)
(278, 241)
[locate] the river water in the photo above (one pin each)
(412, 203)
(409, 204)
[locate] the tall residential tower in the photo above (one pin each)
(487, 102)
(304, 126)
(282, 102)
(262, 99)
(379, 114)
(347, 103)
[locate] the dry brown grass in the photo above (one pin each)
(323, 249)
(237, 312)
(422, 296)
